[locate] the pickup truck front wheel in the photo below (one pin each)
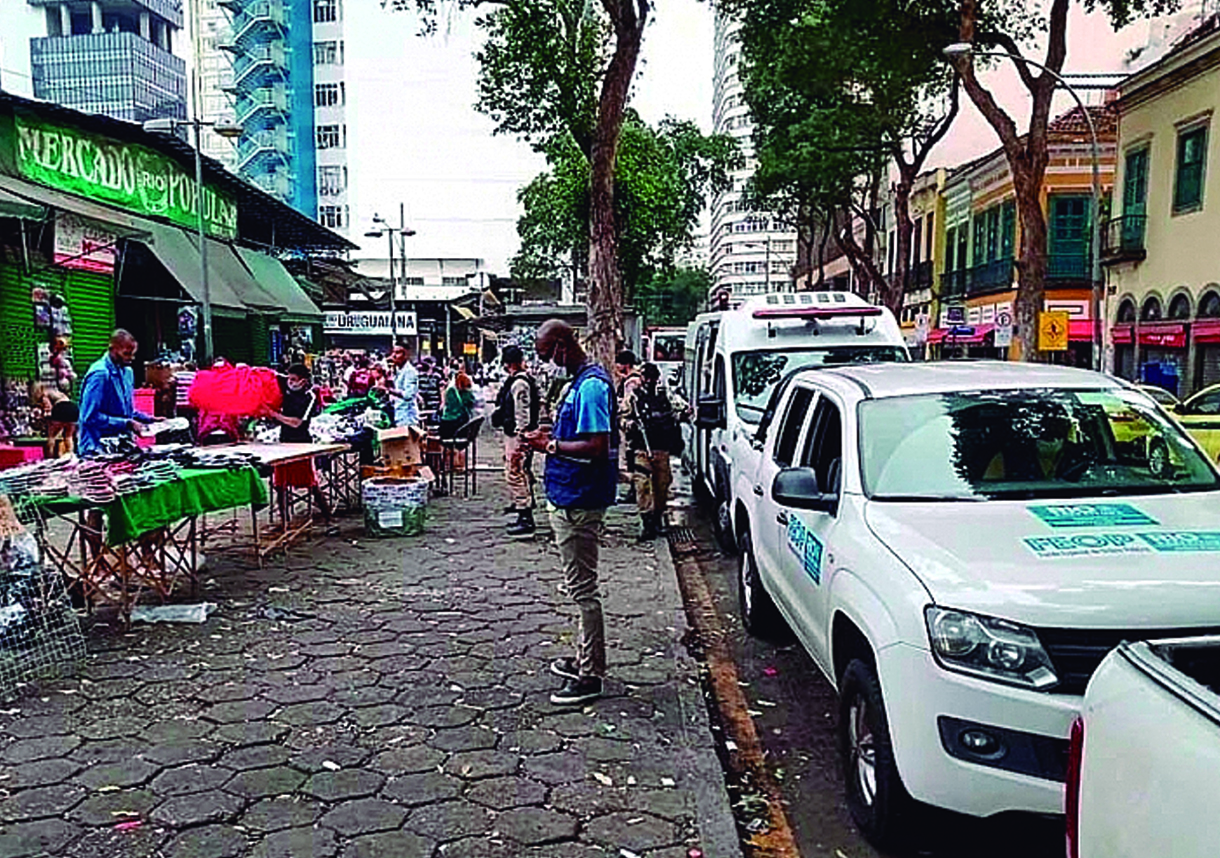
(758, 613)
(876, 798)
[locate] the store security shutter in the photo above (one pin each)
(1209, 366)
(90, 298)
(18, 340)
(231, 339)
(260, 340)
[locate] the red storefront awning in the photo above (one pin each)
(1080, 331)
(1163, 336)
(1122, 335)
(967, 335)
(1206, 331)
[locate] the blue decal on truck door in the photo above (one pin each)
(1183, 541)
(806, 547)
(1091, 515)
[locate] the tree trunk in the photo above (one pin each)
(863, 265)
(1031, 271)
(904, 227)
(605, 331)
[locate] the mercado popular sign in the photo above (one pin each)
(127, 175)
(370, 323)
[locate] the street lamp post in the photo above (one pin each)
(965, 49)
(388, 232)
(224, 129)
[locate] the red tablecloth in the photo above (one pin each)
(11, 457)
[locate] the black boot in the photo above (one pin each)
(523, 527)
(648, 526)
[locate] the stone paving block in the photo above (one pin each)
(263, 783)
(368, 695)
(197, 809)
(40, 773)
(343, 785)
(464, 739)
(534, 825)
(129, 773)
(379, 716)
(111, 751)
(390, 844)
(473, 765)
(530, 742)
(179, 753)
(492, 698)
(27, 750)
(344, 756)
(364, 816)
(40, 802)
(602, 750)
(110, 807)
(256, 757)
(422, 788)
(556, 768)
(44, 837)
(310, 714)
(502, 793)
(179, 730)
(289, 694)
(112, 728)
(419, 694)
(638, 832)
(236, 711)
(221, 693)
(450, 820)
(276, 814)
(252, 733)
(297, 843)
(441, 717)
(589, 798)
(190, 778)
(210, 841)
(408, 760)
(39, 726)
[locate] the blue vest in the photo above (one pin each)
(583, 483)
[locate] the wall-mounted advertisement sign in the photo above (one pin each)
(127, 175)
(84, 244)
(370, 323)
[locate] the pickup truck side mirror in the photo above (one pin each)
(797, 488)
(709, 413)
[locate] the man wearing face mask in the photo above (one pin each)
(299, 406)
(581, 477)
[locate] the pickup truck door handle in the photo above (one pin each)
(781, 517)
(758, 490)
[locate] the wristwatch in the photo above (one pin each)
(552, 447)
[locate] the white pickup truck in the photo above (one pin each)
(1144, 761)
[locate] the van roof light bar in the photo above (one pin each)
(815, 312)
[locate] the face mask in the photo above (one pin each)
(556, 362)
(296, 387)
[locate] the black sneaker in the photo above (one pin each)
(523, 527)
(578, 691)
(565, 668)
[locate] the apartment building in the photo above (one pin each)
(1160, 249)
(750, 252)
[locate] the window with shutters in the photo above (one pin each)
(325, 11)
(328, 136)
(1135, 182)
(1192, 160)
(326, 95)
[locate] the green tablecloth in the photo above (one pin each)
(197, 492)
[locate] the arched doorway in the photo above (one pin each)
(1206, 335)
(1124, 339)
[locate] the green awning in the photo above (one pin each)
(177, 251)
(12, 205)
(274, 278)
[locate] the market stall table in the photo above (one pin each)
(142, 541)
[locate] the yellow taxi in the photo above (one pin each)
(1200, 417)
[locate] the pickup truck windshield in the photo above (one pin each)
(1025, 444)
(755, 373)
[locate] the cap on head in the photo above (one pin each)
(626, 358)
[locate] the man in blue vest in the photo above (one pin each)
(107, 397)
(581, 478)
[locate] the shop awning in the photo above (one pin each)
(37, 196)
(962, 335)
(1080, 331)
(177, 251)
(1165, 336)
(1206, 331)
(274, 279)
(1122, 335)
(12, 205)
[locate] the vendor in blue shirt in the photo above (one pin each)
(581, 479)
(107, 397)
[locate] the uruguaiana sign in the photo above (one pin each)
(128, 175)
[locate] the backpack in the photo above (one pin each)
(656, 414)
(504, 416)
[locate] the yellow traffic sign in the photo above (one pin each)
(1053, 331)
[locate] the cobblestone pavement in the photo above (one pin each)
(366, 698)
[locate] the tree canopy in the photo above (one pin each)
(673, 297)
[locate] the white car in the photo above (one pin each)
(958, 546)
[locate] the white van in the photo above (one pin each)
(734, 359)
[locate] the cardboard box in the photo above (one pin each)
(402, 445)
(404, 472)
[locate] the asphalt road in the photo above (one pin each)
(794, 713)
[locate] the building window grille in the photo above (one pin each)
(328, 137)
(1192, 158)
(332, 180)
(327, 53)
(326, 95)
(331, 216)
(325, 11)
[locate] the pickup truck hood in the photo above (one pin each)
(1139, 562)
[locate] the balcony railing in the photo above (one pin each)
(953, 284)
(990, 277)
(1068, 266)
(1123, 239)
